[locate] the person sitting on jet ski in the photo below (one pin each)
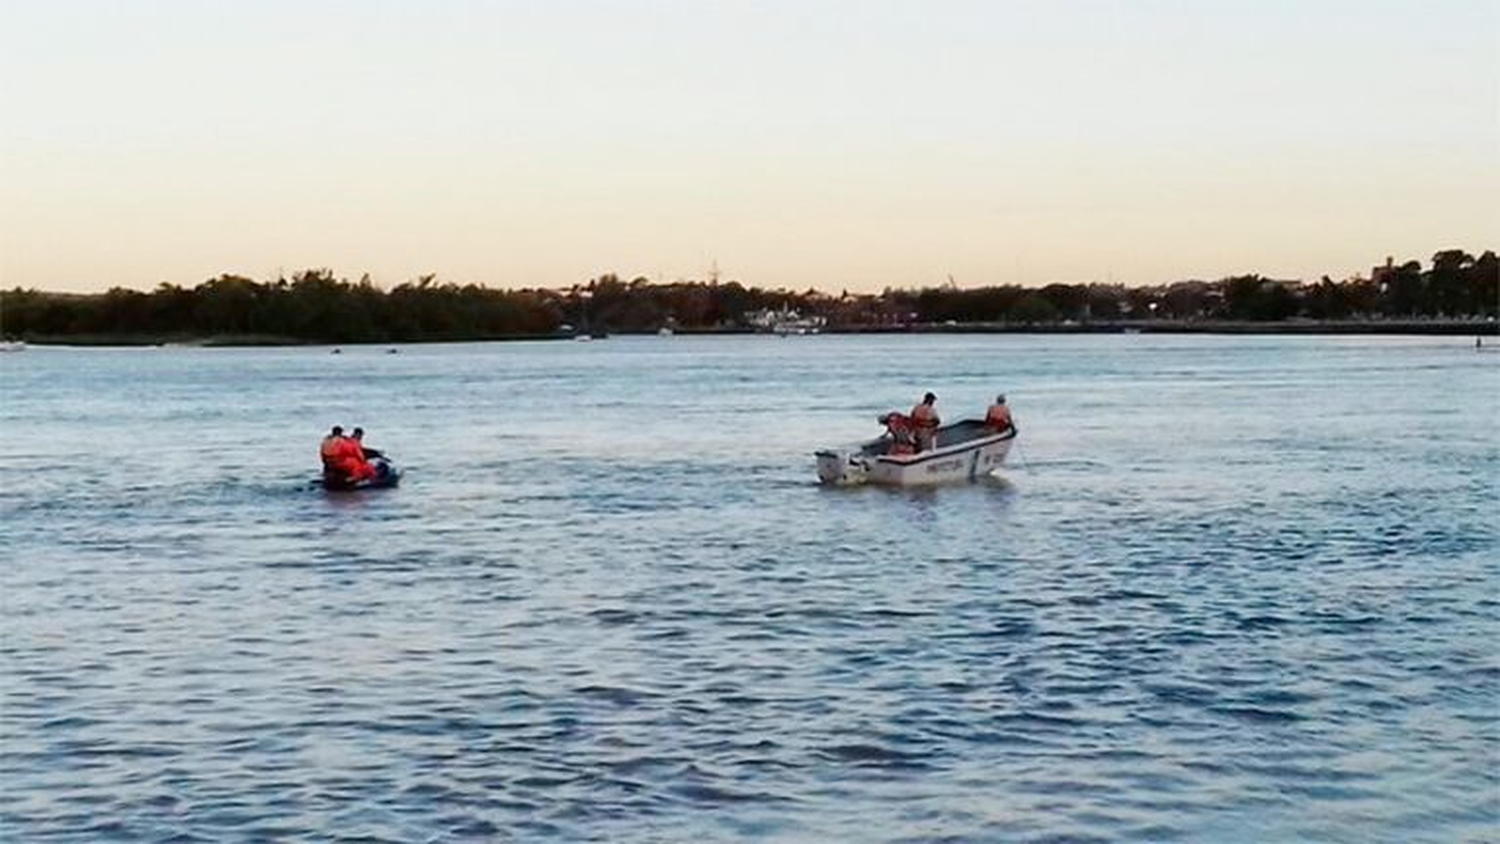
(367, 452)
(344, 458)
(331, 448)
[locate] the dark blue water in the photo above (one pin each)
(1230, 589)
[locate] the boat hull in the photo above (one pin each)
(966, 451)
(387, 476)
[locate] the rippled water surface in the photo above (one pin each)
(1229, 589)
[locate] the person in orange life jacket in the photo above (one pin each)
(925, 421)
(899, 429)
(352, 462)
(365, 451)
(998, 416)
(344, 457)
(330, 448)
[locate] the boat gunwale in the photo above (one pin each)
(947, 450)
(911, 459)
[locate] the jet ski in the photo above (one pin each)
(386, 475)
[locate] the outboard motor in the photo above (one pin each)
(842, 466)
(851, 464)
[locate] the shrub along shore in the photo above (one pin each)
(1457, 294)
(1436, 327)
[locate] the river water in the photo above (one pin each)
(1228, 589)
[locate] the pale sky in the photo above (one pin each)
(796, 143)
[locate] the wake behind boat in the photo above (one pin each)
(965, 450)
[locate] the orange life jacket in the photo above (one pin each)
(998, 416)
(346, 456)
(900, 429)
(924, 416)
(351, 451)
(330, 449)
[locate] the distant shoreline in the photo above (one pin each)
(1416, 327)
(1450, 328)
(1459, 295)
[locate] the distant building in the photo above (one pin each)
(785, 321)
(1382, 276)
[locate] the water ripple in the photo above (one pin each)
(583, 619)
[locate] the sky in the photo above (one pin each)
(790, 143)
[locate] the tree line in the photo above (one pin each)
(315, 306)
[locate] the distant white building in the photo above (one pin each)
(785, 321)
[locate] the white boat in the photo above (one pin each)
(966, 450)
(12, 345)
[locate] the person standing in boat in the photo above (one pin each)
(925, 422)
(998, 415)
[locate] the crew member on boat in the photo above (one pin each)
(925, 422)
(998, 415)
(899, 429)
(353, 463)
(344, 457)
(330, 448)
(365, 451)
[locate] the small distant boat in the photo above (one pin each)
(13, 346)
(387, 475)
(966, 450)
